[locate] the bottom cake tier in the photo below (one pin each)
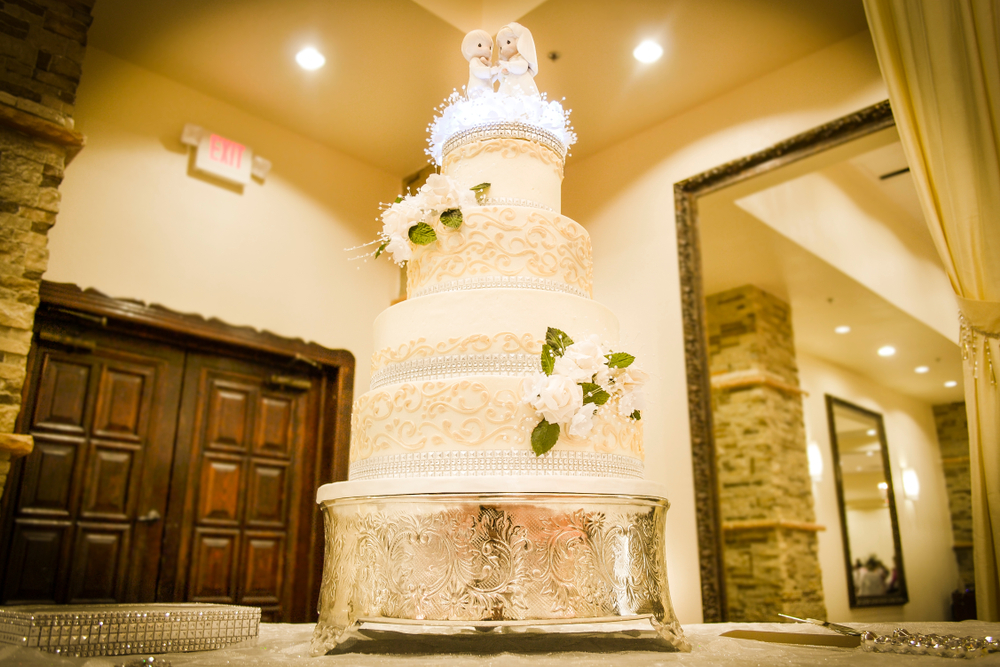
(493, 571)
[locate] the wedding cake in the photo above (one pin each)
(496, 462)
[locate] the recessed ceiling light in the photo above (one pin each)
(950, 383)
(310, 59)
(871, 431)
(648, 52)
(842, 329)
(886, 351)
(921, 369)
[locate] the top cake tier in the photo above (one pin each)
(523, 164)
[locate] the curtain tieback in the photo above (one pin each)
(983, 317)
(978, 318)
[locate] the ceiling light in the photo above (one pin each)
(886, 351)
(648, 52)
(950, 383)
(921, 369)
(871, 431)
(310, 59)
(842, 329)
(883, 486)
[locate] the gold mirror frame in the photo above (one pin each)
(686, 193)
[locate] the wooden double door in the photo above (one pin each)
(162, 472)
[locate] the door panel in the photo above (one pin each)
(103, 421)
(245, 442)
(170, 468)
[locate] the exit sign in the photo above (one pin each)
(223, 158)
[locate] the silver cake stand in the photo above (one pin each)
(520, 565)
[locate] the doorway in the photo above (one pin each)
(175, 459)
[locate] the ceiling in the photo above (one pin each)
(390, 62)
(821, 296)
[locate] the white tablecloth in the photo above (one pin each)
(287, 644)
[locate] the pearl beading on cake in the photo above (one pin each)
(511, 201)
(506, 130)
(436, 368)
(504, 462)
(488, 282)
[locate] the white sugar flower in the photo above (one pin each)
(441, 193)
(400, 248)
(582, 360)
(555, 398)
(398, 218)
(628, 386)
(583, 421)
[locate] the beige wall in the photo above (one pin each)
(624, 197)
(135, 224)
(924, 523)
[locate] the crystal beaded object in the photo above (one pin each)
(513, 201)
(437, 368)
(491, 282)
(506, 130)
(94, 630)
(500, 462)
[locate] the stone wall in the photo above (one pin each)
(42, 44)
(771, 555)
(953, 437)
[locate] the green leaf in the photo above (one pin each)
(399, 198)
(480, 191)
(422, 234)
(635, 415)
(548, 359)
(452, 218)
(557, 340)
(381, 249)
(592, 393)
(544, 437)
(619, 359)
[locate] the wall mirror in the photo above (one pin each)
(868, 519)
(771, 220)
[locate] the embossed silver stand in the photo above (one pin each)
(496, 570)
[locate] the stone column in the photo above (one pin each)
(42, 44)
(771, 557)
(953, 437)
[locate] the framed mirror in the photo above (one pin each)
(688, 196)
(868, 520)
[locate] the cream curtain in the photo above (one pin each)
(941, 62)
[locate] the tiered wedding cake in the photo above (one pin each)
(496, 480)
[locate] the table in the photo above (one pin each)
(288, 645)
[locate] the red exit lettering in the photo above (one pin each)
(226, 152)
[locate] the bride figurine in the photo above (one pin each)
(518, 63)
(477, 47)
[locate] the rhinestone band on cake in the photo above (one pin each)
(506, 130)
(489, 282)
(513, 201)
(497, 462)
(437, 368)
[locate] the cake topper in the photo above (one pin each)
(477, 47)
(518, 62)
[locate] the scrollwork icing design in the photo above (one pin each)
(505, 341)
(506, 242)
(493, 560)
(429, 415)
(508, 149)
